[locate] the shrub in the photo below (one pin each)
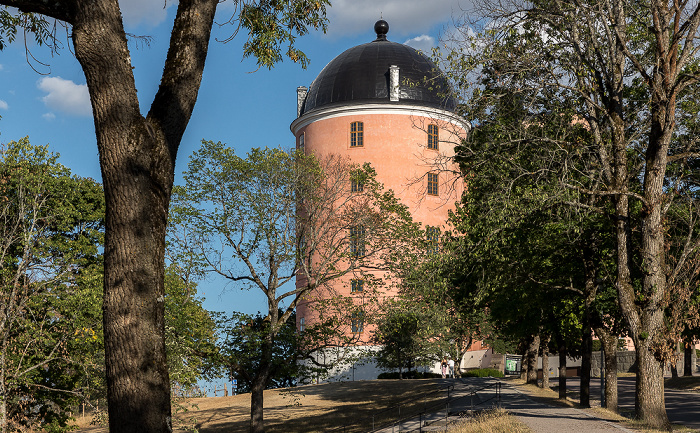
(408, 375)
(483, 372)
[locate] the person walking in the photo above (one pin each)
(451, 367)
(443, 367)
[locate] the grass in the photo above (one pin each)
(316, 408)
(684, 383)
(495, 421)
(310, 408)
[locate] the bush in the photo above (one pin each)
(409, 375)
(483, 372)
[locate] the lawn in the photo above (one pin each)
(310, 408)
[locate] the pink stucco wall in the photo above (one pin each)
(396, 147)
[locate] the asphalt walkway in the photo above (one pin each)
(473, 394)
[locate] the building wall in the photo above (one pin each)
(395, 144)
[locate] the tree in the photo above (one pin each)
(277, 216)
(190, 331)
(50, 232)
(137, 158)
(450, 320)
(406, 338)
(244, 336)
(624, 69)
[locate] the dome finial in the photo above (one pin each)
(381, 27)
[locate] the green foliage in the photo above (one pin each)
(409, 375)
(189, 332)
(274, 23)
(402, 333)
(31, 23)
(50, 283)
(244, 339)
(483, 372)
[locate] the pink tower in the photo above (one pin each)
(387, 104)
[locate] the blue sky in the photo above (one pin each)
(237, 105)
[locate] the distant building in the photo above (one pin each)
(387, 104)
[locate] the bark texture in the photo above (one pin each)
(609, 342)
(545, 362)
(688, 359)
(562, 371)
(137, 159)
(532, 352)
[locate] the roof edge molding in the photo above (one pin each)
(357, 109)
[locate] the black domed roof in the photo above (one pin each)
(361, 75)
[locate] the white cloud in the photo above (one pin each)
(48, 116)
(405, 17)
(3, 105)
(147, 12)
(422, 43)
(65, 96)
(1, 67)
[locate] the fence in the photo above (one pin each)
(415, 414)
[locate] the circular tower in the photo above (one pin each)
(389, 105)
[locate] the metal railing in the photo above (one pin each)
(404, 410)
(405, 418)
(429, 417)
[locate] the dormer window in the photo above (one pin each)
(356, 134)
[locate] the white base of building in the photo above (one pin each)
(357, 363)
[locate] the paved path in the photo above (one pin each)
(682, 407)
(539, 417)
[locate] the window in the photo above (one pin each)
(356, 134)
(300, 146)
(356, 185)
(357, 286)
(432, 184)
(432, 137)
(357, 321)
(302, 324)
(433, 235)
(357, 241)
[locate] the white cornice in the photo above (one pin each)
(355, 109)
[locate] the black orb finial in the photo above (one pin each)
(382, 28)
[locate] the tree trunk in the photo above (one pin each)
(586, 354)
(545, 362)
(610, 343)
(3, 393)
(257, 405)
(137, 183)
(137, 158)
(674, 360)
(562, 371)
(650, 404)
(688, 359)
(257, 388)
(532, 352)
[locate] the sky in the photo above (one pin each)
(46, 98)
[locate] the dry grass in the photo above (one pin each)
(631, 423)
(495, 421)
(311, 408)
(684, 383)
